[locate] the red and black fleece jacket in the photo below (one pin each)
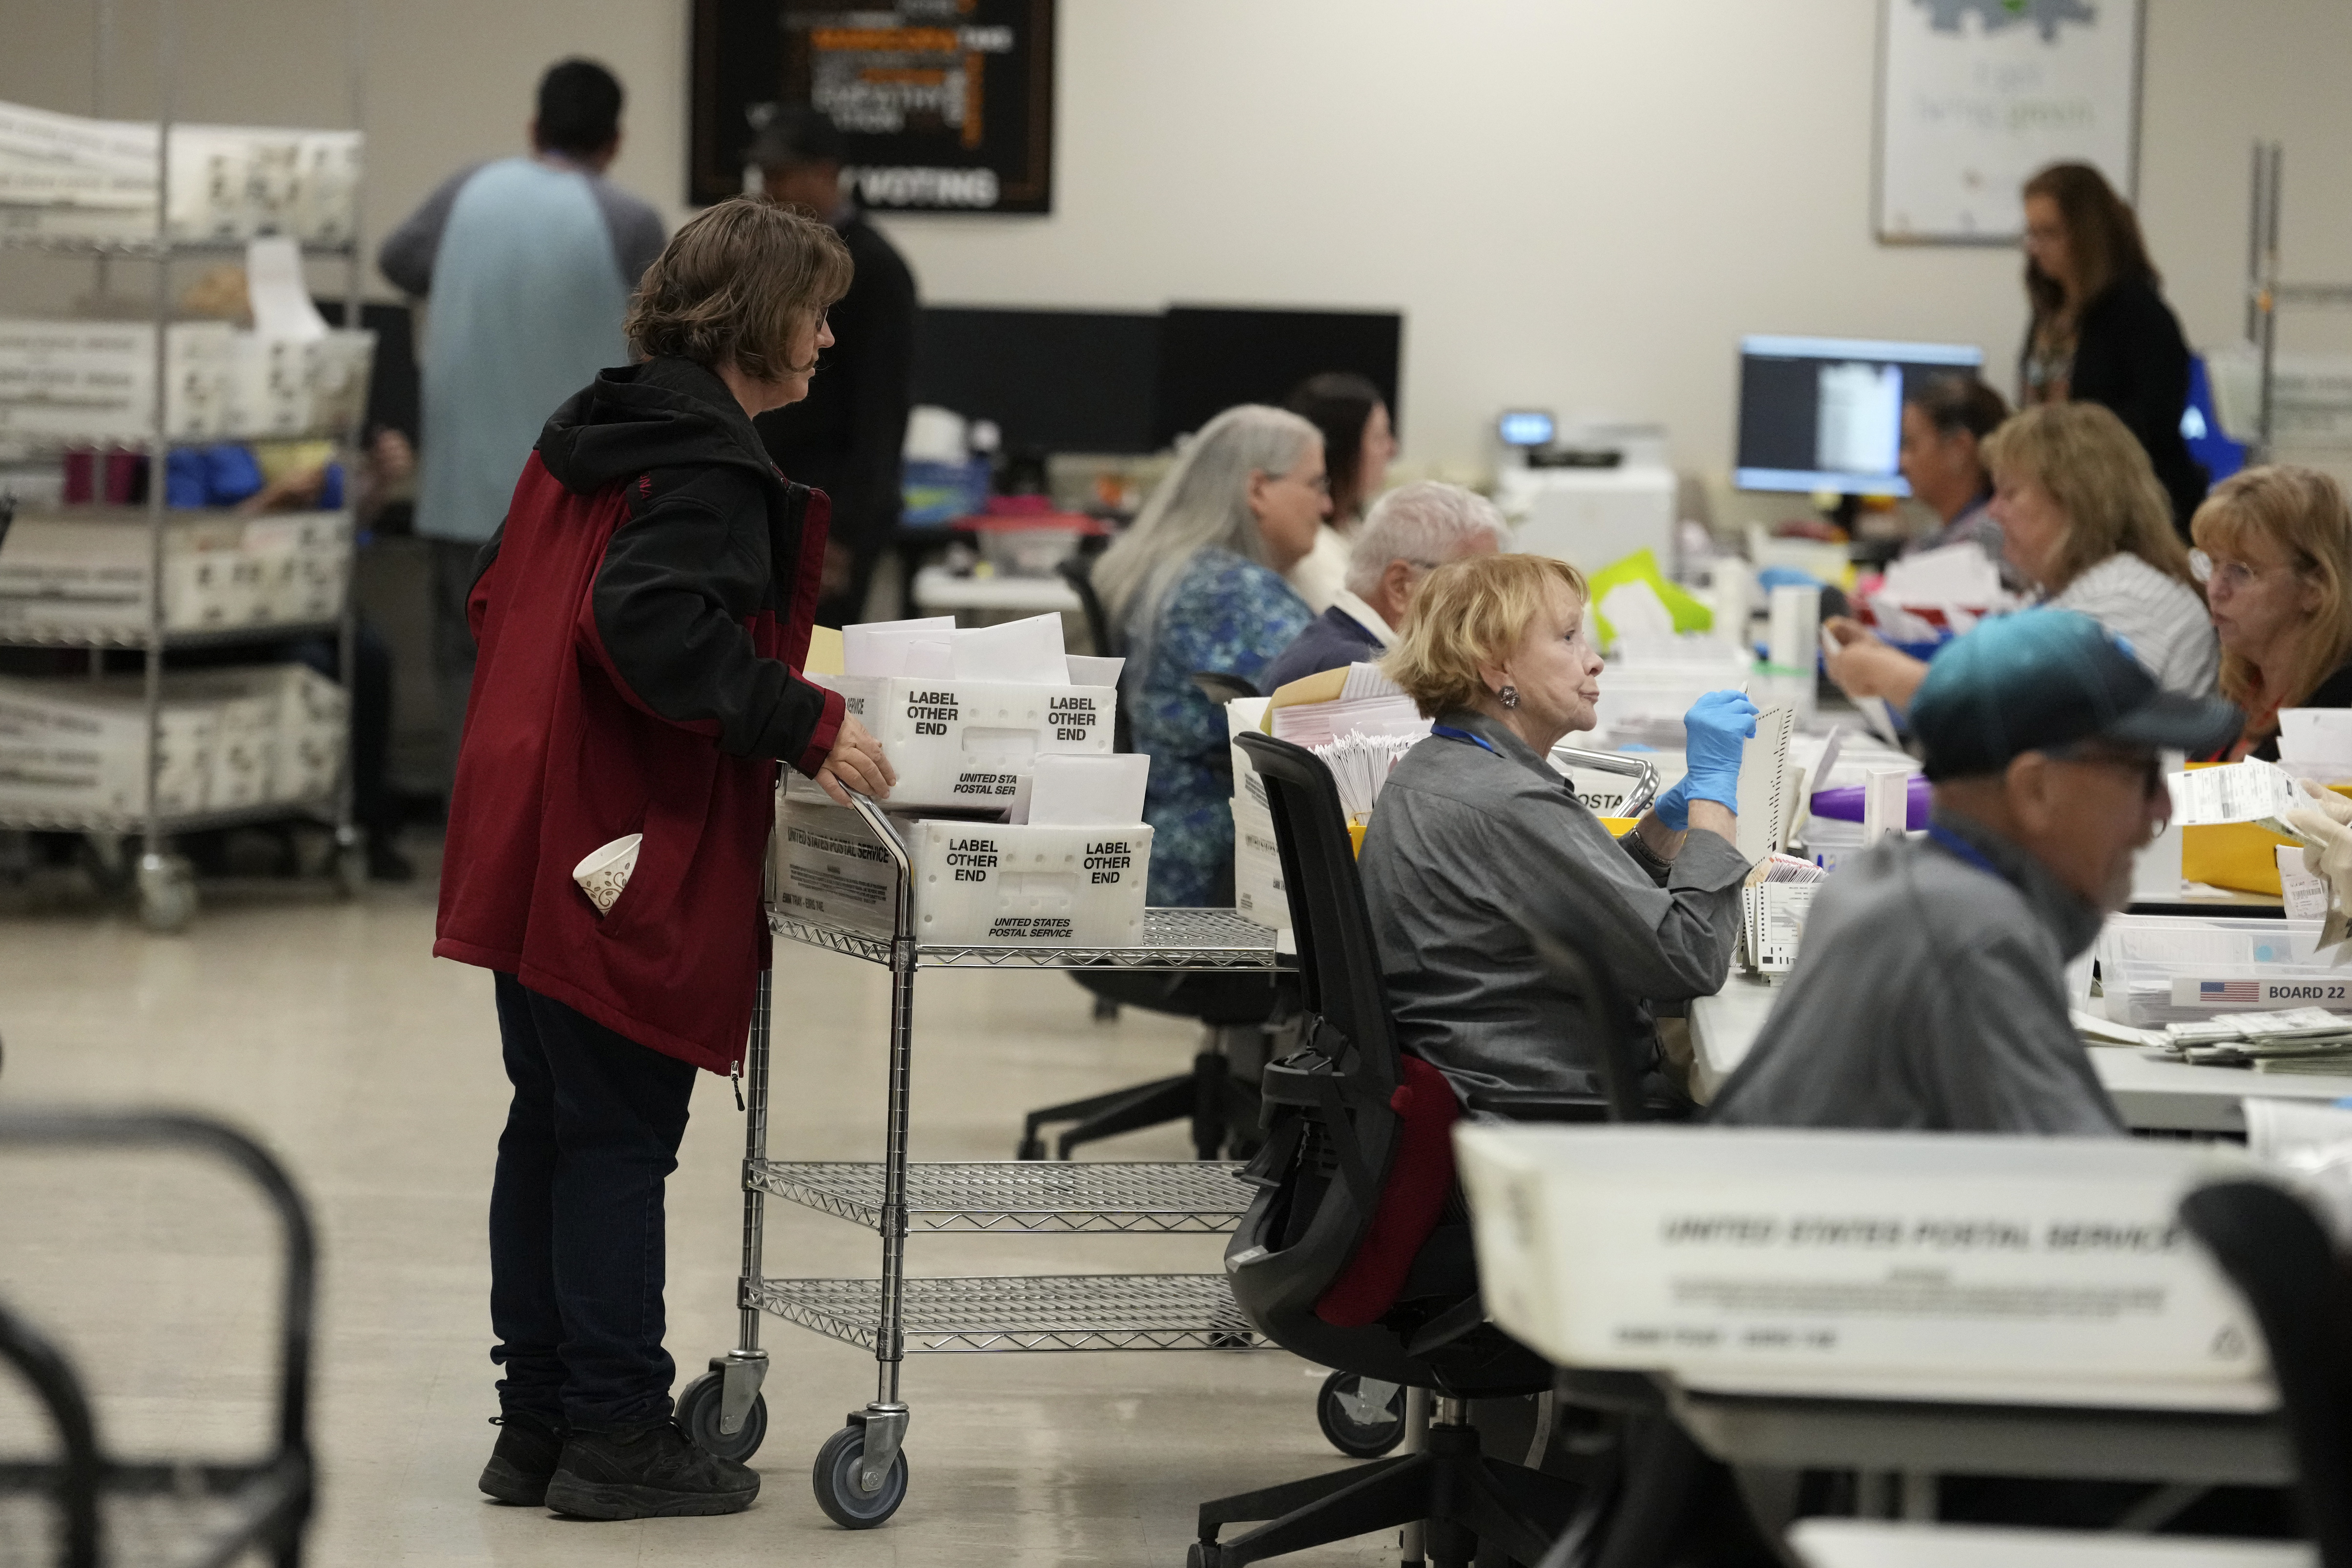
(642, 618)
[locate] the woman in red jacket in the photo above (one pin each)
(642, 616)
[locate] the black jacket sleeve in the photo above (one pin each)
(666, 616)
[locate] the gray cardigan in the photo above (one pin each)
(1469, 850)
(1930, 993)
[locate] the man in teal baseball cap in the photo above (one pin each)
(1930, 992)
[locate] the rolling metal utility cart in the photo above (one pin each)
(87, 1506)
(164, 883)
(860, 1476)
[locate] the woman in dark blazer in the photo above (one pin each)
(2100, 331)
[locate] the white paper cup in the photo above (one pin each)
(605, 872)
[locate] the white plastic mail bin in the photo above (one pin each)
(973, 742)
(1900, 1265)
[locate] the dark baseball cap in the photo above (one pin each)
(796, 135)
(2040, 680)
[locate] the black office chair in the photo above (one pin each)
(2279, 1256)
(1350, 1150)
(1221, 1107)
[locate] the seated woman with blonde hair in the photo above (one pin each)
(2274, 553)
(1479, 851)
(2083, 520)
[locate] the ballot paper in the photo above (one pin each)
(278, 294)
(880, 648)
(1088, 792)
(1774, 902)
(1957, 574)
(1766, 783)
(2316, 743)
(2253, 791)
(1360, 765)
(1368, 703)
(1028, 650)
(1085, 670)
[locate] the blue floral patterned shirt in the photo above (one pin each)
(1221, 613)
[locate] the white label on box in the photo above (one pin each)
(2231, 996)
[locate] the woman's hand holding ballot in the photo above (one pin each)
(1717, 726)
(2326, 822)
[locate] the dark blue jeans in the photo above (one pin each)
(576, 1237)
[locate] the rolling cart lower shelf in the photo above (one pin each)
(860, 1475)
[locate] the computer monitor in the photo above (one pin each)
(1826, 414)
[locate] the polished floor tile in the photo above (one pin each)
(373, 1071)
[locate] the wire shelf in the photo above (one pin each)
(320, 809)
(1015, 1196)
(1173, 939)
(211, 636)
(153, 1515)
(1039, 1313)
(149, 246)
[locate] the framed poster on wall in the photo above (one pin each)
(945, 105)
(1975, 96)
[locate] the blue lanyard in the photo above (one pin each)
(1966, 851)
(1451, 733)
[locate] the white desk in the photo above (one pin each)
(937, 588)
(2152, 1091)
(1870, 1543)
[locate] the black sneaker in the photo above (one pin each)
(646, 1472)
(525, 1457)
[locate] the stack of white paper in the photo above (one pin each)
(933, 648)
(2316, 743)
(1368, 703)
(1360, 765)
(1959, 575)
(1088, 792)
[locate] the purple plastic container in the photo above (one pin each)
(1845, 805)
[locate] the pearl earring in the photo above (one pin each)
(1509, 694)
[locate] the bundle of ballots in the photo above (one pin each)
(2296, 1040)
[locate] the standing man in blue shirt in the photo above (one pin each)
(526, 266)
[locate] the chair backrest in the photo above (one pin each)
(1079, 572)
(2279, 1256)
(1324, 1167)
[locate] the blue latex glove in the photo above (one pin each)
(1716, 725)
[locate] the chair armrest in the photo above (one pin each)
(1537, 1105)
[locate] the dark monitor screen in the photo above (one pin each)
(1212, 358)
(1826, 414)
(1053, 381)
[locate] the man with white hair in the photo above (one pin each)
(1410, 532)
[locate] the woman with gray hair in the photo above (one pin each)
(1412, 532)
(1196, 585)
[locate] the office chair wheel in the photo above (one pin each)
(834, 1479)
(698, 1411)
(1203, 1555)
(1359, 1425)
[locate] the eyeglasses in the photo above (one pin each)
(2235, 576)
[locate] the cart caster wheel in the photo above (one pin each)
(350, 870)
(1031, 1148)
(1356, 1426)
(167, 893)
(834, 1479)
(698, 1411)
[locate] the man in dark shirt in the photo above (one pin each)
(1410, 532)
(845, 439)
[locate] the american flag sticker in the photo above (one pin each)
(2216, 992)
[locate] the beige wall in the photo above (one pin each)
(1576, 202)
